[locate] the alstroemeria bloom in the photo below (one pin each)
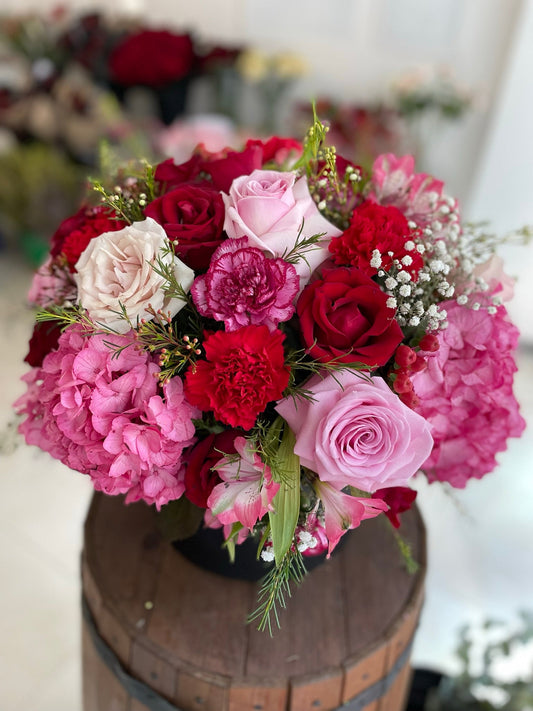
(343, 512)
(268, 207)
(247, 490)
(117, 269)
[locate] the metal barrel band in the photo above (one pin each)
(155, 702)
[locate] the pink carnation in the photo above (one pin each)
(243, 287)
(105, 416)
(52, 284)
(466, 394)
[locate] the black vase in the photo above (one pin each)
(205, 549)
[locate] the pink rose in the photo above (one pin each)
(355, 432)
(268, 207)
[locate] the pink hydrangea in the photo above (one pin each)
(419, 196)
(243, 287)
(103, 414)
(466, 394)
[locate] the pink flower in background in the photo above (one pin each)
(355, 432)
(242, 287)
(466, 394)
(343, 512)
(247, 490)
(499, 283)
(268, 207)
(104, 415)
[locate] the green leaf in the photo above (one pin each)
(286, 503)
(179, 519)
(229, 543)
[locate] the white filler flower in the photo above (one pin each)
(117, 269)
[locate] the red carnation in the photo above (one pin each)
(399, 500)
(373, 227)
(345, 317)
(74, 234)
(193, 218)
(244, 370)
(200, 477)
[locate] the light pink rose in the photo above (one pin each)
(268, 207)
(356, 432)
(117, 268)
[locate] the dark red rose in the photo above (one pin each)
(224, 170)
(193, 217)
(200, 477)
(43, 340)
(170, 176)
(74, 234)
(399, 500)
(151, 58)
(244, 370)
(344, 316)
(373, 227)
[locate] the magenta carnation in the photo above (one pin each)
(103, 414)
(243, 287)
(466, 394)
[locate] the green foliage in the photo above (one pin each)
(275, 587)
(286, 503)
(464, 692)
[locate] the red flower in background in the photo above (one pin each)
(345, 317)
(193, 218)
(44, 339)
(152, 58)
(244, 370)
(74, 234)
(373, 227)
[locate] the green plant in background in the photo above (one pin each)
(484, 689)
(39, 187)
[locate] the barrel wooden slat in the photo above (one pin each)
(345, 627)
(137, 706)
(101, 689)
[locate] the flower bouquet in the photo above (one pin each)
(271, 342)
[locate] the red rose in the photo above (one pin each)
(170, 176)
(345, 317)
(244, 370)
(193, 217)
(74, 234)
(373, 227)
(223, 171)
(151, 57)
(276, 149)
(44, 339)
(200, 477)
(399, 500)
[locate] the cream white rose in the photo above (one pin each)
(117, 269)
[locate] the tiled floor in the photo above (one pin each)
(480, 543)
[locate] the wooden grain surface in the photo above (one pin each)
(182, 630)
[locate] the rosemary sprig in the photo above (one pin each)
(275, 587)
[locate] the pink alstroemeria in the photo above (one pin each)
(247, 489)
(342, 511)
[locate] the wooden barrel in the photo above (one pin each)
(161, 634)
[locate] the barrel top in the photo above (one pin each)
(151, 602)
